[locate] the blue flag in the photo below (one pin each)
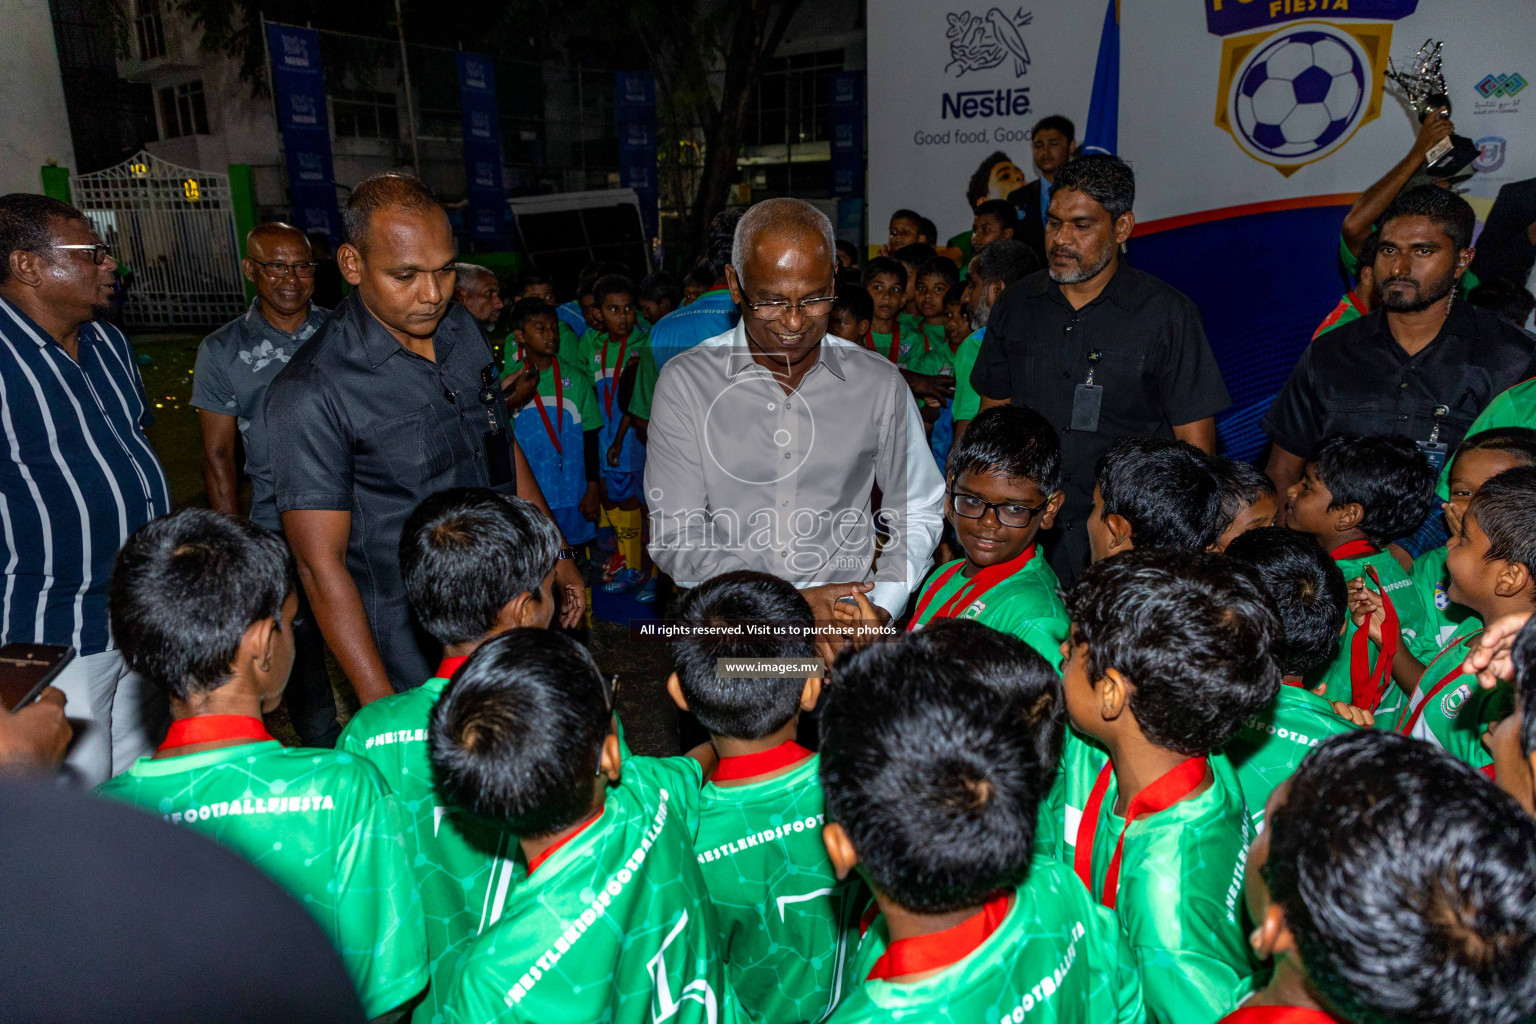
(1102, 133)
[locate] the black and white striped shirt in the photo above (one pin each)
(77, 476)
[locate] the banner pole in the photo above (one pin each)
(410, 103)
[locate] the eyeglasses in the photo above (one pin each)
(278, 271)
(776, 309)
(99, 251)
(968, 506)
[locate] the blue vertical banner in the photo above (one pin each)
(1102, 134)
(847, 124)
(636, 91)
(298, 87)
(482, 148)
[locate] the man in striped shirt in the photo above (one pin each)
(77, 474)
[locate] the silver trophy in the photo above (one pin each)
(1423, 85)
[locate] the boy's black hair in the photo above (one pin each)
(1367, 254)
(517, 736)
(1006, 260)
(1451, 213)
(526, 309)
(466, 552)
(1056, 122)
(941, 266)
(742, 709)
(530, 278)
(184, 590)
(918, 254)
(848, 249)
(1105, 179)
(935, 766)
(1307, 588)
(1511, 301)
(1013, 440)
(928, 229)
(722, 235)
(1524, 658)
(1242, 484)
(702, 276)
(1505, 509)
(612, 284)
(1000, 210)
(1519, 442)
(1409, 883)
(1166, 489)
(856, 301)
(1385, 474)
(1193, 632)
(661, 287)
(906, 214)
(981, 182)
(885, 265)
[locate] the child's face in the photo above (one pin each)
(929, 297)
(1473, 574)
(1469, 472)
(1251, 517)
(1101, 542)
(985, 229)
(957, 326)
(617, 314)
(691, 292)
(888, 295)
(903, 232)
(911, 293)
(540, 335)
(1307, 503)
(539, 291)
(988, 541)
(843, 324)
(281, 663)
(1077, 688)
(1513, 771)
(654, 310)
(589, 311)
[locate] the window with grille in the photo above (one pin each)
(183, 111)
(365, 115)
(150, 31)
(790, 104)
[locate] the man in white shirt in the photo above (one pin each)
(767, 441)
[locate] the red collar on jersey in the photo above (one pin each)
(549, 851)
(185, 732)
(923, 953)
(448, 666)
(1277, 1015)
(1353, 549)
(746, 766)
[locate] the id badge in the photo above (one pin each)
(498, 457)
(1435, 452)
(1086, 401)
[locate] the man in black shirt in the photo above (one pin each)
(395, 398)
(1424, 364)
(1102, 350)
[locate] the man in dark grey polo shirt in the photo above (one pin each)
(235, 364)
(397, 397)
(1101, 349)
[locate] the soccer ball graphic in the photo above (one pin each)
(1300, 94)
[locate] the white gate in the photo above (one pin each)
(174, 229)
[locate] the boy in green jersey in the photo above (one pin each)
(1356, 495)
(1491, 562)
(852, 313)
(1004, 487)
(531, 284)
(936, 749)
(613, 921)
(1481, 456)
(936, 280)
(476, 564)
(785, 919)
(1515, 407)
(1308, 591)
(1170, 652)
(1154, 492)
(202, 604)
(1392, 884)
(658, 294)
(886, 281)
(912, 259)
(1248, 499)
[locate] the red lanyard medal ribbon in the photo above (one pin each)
(549, 428)
(1169, 788)
(1368, 683)
(1418, 710)
(618, 368)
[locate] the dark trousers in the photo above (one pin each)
(311, 701)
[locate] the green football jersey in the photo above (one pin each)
(913, 349)
(615, 926)
(1432, 580)
(1026, 604)
(1179, 899)
(1056, 957)
(1413, 624)
(570, 353)
(1269, 747)
(1451, 710)
(785, 920)
(323, 824)
(1515, 407)
(967, 401)
(464, 868)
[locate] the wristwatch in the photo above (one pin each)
(566, 553)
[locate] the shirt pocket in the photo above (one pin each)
(414, 447)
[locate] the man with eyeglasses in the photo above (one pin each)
(235, 364)
(77, 477)
(767, 442)
(395, 398)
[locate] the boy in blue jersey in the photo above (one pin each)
(555, 419)
(613, 353)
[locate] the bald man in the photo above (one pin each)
(229, 390)
(477, 290)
